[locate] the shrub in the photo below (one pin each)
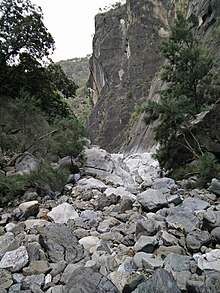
(205, 168)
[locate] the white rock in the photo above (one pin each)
(28, 204)
(33, 223)
(9, 227)
(15, 260)
(62, 213)
(209, 260)
(90, 243)
(119, 191)
(91, 183)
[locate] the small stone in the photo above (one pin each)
(29, 208)
(90, 243)
(146, 244)
(62, 213)
(15, 260)
(215, 186)
(215, 235)
(36, 267)
(5, 279)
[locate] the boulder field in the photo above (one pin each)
(119, 228)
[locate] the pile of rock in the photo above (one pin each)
(121, 228)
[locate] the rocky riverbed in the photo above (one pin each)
(119, 228)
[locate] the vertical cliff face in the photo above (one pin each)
(124, 61)
(203, 17)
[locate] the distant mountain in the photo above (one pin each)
(78, 70)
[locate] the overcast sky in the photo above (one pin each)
(71, 23)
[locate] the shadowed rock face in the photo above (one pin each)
(124, 61)
(123, 65)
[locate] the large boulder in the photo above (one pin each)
(60, 243)
(161, 281)
(89, 281)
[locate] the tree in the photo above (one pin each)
(34, 114)
(25, 44)
(22, 30)
(64, 84)
(188, 76)
(25, 48)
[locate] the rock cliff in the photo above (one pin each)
(124, 62)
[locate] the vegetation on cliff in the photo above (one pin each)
(34, 115)
(77, 70)
(190, 89)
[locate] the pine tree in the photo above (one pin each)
(188, 76)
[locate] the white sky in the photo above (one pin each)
(72, 25)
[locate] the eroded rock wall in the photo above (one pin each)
(203, 17)
(124, 61)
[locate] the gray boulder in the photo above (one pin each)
(185, 219)
(152, 200)
(215, 186)
(87, 280)
(148, 227)
(5, 279)
(15, 260)
(196, 239)
(215, 235)
(211, 219)
(163, 183)
(194, 204)
(177, 263)
(60, 243)
(25, 163)
(160, 282)
(146, 244)
(97, 162)
(212, 282)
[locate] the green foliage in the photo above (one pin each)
(45, 176)
(77, 69)
(205, 168)
(69, 140)
(22, 30)
(10, 186)
(189, 89)
(115, 6)
(64, 84)
(187, 68)
(24, 128)
(34, 114)
(44, 179)
(25, 47)
(20, 122)
(129, 95)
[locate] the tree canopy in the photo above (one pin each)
(34, 113)
(25, 58)
(22, 31)
(189, 78)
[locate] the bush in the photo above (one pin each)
(44, 179)
(205, 168)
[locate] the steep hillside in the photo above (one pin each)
(125, 61)
(78, 70)
(203, 17)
